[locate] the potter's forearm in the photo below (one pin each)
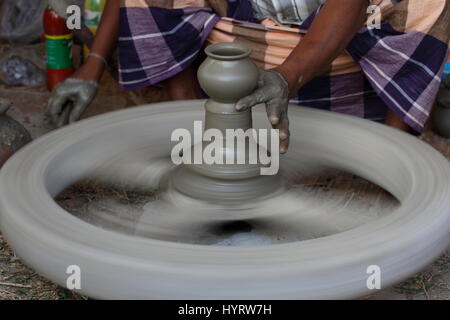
(80, 89)
(105, 41)
(330, 33)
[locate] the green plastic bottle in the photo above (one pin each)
(93, 10)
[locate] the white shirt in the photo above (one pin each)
(285, 11)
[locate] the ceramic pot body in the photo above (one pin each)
(441, 121)
(228, 74)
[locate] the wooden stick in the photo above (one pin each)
(18, 285)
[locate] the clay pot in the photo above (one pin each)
(228, 74)
(441, 115)
(13, 135)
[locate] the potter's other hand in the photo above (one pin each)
(70, 99)
(273, 90)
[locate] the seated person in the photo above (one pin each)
(380, 59)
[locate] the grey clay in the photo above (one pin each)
(227, 75)
(13, 135)
(70, 99)
(441, 115)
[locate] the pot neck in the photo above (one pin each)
(228, 51)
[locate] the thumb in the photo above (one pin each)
(56, 103)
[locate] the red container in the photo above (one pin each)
(58, 48)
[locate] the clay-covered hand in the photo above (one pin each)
(273, 90)
(70, 99)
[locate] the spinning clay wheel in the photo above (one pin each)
(168, 250)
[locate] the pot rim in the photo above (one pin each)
(213, 51)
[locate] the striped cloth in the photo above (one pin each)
(396, 66)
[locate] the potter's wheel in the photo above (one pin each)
(328, 246)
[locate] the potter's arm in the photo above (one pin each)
(332, 29)
(105, 41)
(328, 36)
(81, 88)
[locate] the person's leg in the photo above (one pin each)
(183, 86)
(156, 43)
(394, 121)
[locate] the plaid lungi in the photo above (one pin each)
(397, 64)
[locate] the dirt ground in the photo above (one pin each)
(19, 282)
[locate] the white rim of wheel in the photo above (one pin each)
(114, 265)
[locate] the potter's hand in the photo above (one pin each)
(273, 90)
(70, 99)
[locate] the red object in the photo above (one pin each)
(55, 76)
(55, 26)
